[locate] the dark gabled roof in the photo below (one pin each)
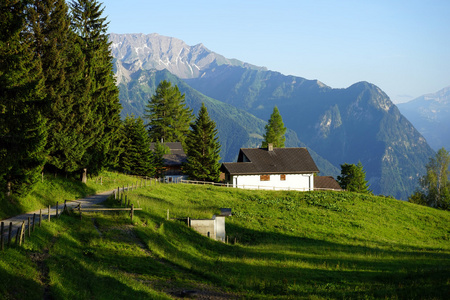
(176, 156)
(174, 159)
(278, 161)
(326, 182)
(174, 147)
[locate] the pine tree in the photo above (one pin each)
(62, 64)
(137, 158)
(102, 95)
(203, 149)
(167, 115)
(158, 159)
(353, 178)
(275, 130)
(23, 130)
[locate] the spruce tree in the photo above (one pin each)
(275, 130)
(62, 64)
(137, 158)
(167, 115)
(158, 159)
(353, 178)
(203, 149)
(23, 130)
(101, 94)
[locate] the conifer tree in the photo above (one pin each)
(62, 64)
(23, 129)
(275, 130)
(158, 159)
(353, 178)
(203, 149)
(137, 158)
(101, 94)
(167, 115)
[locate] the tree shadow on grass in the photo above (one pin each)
(299, 267)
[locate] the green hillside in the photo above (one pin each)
(289, 245)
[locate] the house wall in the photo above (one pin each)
(304, 182)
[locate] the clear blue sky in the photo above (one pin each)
(401, 46)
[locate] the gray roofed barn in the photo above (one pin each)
(173, 160)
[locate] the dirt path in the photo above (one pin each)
(90, 201)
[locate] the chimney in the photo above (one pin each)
(270, 147)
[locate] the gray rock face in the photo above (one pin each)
(153, 51)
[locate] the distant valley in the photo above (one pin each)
(359, 123)
(430, 114)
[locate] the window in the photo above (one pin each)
(264, 178)
(283, 177)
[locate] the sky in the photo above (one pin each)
(403, 47)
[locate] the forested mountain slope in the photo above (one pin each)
(359, 123)
(237, 128)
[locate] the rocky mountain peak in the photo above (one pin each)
(154, 51)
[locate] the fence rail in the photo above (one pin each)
(255, 187)
(26, 225)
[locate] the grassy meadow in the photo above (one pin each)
(289, 245)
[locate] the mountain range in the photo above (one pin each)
(359, 123)
(430, 114)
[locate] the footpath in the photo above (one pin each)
(88, 202)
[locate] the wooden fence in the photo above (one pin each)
(24, 230)
(255, 187)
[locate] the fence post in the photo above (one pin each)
(40, 217)
(22, 233)
(132, 212)
(10, 233)
(1, 238)
(65, 206)
(49, 213)
(17, 235)
(34, 221)
(57, 208)
(79, 210)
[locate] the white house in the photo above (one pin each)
(272, 168)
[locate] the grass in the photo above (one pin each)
(290, 245)
(54, 189)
